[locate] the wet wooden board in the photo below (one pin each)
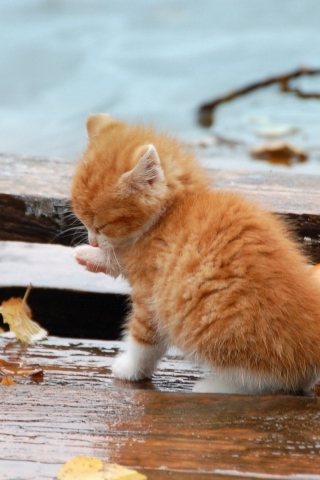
(87, 364)
(34, 195)
(158, 427)
(52, 266)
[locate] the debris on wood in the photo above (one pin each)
(213, 140)
(90, 468)
(20, 369)
(273, 131)
(206, 111)
(279, 152)
(17, 314)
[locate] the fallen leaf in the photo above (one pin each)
(90, 468)
(8, 382)
(278, 152)
(20, 369)
(17, 314)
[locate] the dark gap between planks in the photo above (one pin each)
(68, 313)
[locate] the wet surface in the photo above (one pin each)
(159, 426)
(88, 363)
(200, 433)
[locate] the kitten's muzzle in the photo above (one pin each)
(92, 240)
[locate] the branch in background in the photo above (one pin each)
(206, 111)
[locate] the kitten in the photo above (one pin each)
(210, 272)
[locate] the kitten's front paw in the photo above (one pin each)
(91, 257)
(125, 368)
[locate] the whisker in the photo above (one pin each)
(115, 257)
(73, 232)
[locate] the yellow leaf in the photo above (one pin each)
(17, 314)
(8, 382)
(90, 468)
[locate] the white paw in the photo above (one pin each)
(91, 257)
(83, 253)
(126, 368)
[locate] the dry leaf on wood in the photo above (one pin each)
(17, 314)
(7, 382)
(20, 369)
(279, 152)
(90, 468)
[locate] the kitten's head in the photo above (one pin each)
(119, 185)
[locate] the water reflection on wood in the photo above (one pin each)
(165, 432)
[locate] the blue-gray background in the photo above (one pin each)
(155, 61)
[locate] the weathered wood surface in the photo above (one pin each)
(158, 427)
(34, 196)
(52, 266)
(94, 304)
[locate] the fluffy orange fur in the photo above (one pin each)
(211, 273)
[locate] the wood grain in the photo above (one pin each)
(158, 427)
(162, 431)
(54, 267)
(34, 203)
(87, 364)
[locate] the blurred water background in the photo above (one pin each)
(157, 61)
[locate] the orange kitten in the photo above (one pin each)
(210, 272)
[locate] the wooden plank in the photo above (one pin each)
(158, 427)
(17, 470)
(87, 364)
(41, 178)
(284, 193)
(34, 196)
(198, 433)
(52, 266)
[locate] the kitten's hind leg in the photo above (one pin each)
(139, 361)
(242, 382)
(215, 384)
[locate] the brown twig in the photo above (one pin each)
(206, 111)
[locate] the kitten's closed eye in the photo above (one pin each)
(122, 219)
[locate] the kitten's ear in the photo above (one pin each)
(96, 122)
(147, 173)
